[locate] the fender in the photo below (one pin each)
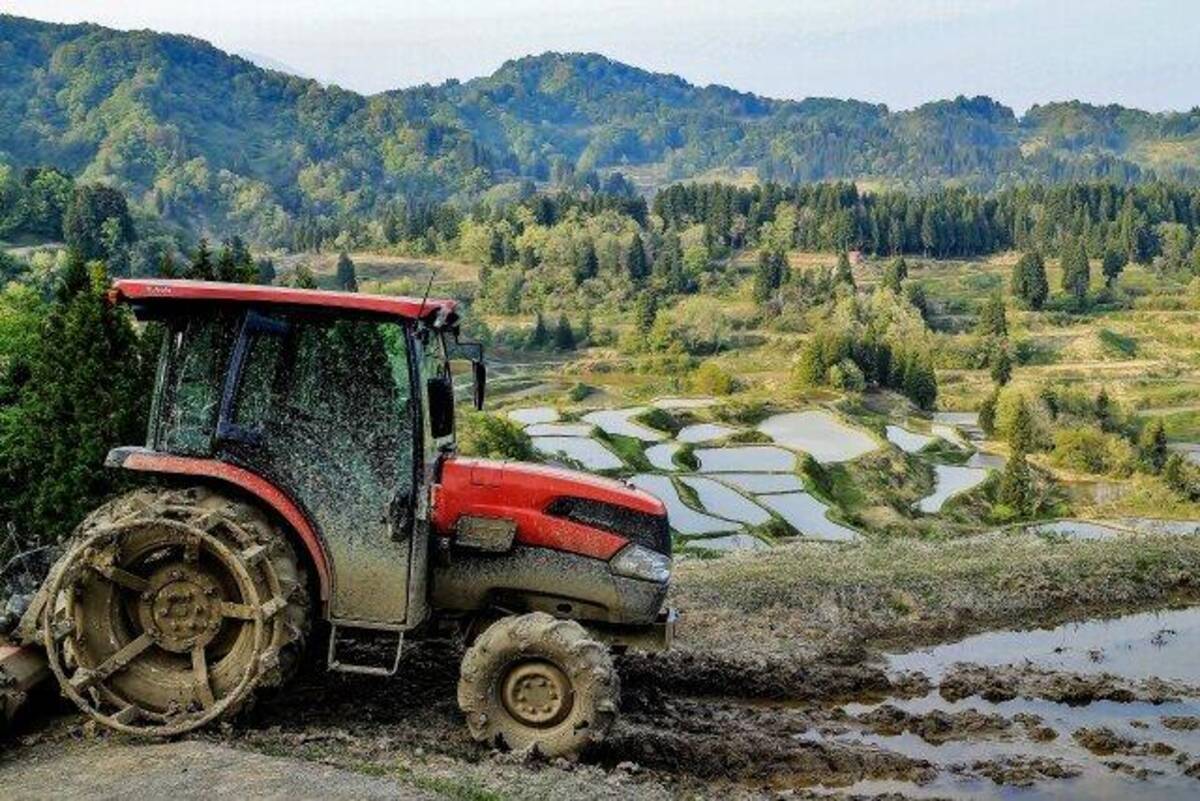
(145, 460)
(523, 493)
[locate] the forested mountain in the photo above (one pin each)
(212, 141)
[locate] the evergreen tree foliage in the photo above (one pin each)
(645, 310)
(1076, 273)
(894, 274)
(266, 271)
(1000, 363)
(1106, 413)
(202, 268)
(987, 413)
(992, 318)
(1153, 445)
(564, 336)
(539, 337)
(1112, 266)
(635, 260)
(87, 391)
(97, 224)
(769, 273)
(1029, 284)
(347, 277)
(844, 274)
(1021, 434)
(1016, 485)
(586, 264)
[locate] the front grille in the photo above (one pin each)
(643, 528)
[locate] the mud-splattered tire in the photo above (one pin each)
(171, 608)
(536, 682)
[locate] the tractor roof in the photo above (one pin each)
(155, 291)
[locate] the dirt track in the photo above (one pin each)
(184, 771)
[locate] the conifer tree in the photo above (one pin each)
(844, 273)
(564, 337)
(586, 264)
(1016, 485)
(645, 309)
(1112, 266)
(89, 377)
(1153, 444)
(266, 271)
(539, 337)
(1000, 363)
(1076, 272)
(635, 259)
(1029, 284)
(201, 268)
(992, 318)
(894, 274)
(1105, 413)
(1021, 434)
(347, 277)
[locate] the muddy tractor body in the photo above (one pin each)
(302, 479)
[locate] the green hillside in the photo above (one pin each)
(212, 141)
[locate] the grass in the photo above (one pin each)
(628, 449)
(908, 591)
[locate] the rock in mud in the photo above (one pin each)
(1035, 728)
(1181, 722)
(935, 727)
(1103, 741)
(1018, 771)
(1134, 771)
(1006, 682)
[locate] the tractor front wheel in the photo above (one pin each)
(170, 608)
(536, 682)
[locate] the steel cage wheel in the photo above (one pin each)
(176, 613)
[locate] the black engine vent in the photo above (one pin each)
(650, 531)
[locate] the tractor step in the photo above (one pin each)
(334, 663)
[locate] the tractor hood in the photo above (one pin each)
(548, 507)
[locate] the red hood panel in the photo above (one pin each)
(521, 492)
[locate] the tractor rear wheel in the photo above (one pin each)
(170, 608)
(536, 682)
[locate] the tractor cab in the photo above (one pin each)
(343, 406)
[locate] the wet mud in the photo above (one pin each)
(842, 722)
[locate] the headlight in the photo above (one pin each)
(637, 562)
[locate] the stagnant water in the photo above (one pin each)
(620, 421)
(1136, 647)
(950, 480)
(587, 452)
(819, 433)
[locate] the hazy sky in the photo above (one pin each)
(1143, 53)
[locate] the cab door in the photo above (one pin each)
(327, 409)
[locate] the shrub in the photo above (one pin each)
(846, 375)
(1090, 450)
(711, 379)
(483, 434)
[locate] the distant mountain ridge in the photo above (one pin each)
(212, 140)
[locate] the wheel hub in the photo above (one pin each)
(181, 608)
(537, 694)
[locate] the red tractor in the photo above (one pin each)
(302, 477)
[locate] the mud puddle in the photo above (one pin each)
(1160, 645)
(1104, 709)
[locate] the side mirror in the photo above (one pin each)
(441, 407)
(479, 371)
